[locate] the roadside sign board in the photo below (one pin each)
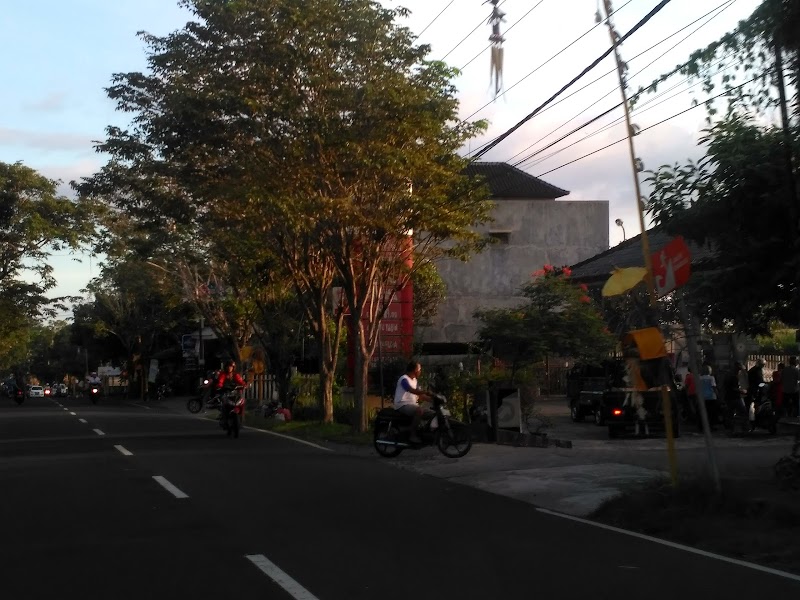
(671, 266)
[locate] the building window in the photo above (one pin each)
(500, 237)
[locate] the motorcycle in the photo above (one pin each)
(19, 396)
(94, 393)
(392, 432)
(760, 413)
(195, 405)
(231, 408)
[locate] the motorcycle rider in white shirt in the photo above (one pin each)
(405, 398)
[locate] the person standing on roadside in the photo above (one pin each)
(790, 377)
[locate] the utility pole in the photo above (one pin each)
(636, 165)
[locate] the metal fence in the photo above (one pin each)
(771, 362)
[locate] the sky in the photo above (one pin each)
(59, 56)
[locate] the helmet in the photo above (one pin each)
(230, 363)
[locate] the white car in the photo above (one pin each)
(36, 391)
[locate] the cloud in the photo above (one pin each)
(51, 142)
(52, 102)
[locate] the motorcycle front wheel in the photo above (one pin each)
(387, 434)
(456, 442)
(233, 424)
(194, 405)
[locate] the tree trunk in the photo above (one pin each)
(360, 389)
(326, 375)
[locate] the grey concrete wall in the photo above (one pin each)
(540, 232)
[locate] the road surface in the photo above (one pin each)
(119, 501)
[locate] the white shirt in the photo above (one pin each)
(401, 396)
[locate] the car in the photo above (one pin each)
(587, 384)
(36, 391)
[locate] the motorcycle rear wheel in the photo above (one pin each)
(389, 434)
(455, 443)
(194, 405)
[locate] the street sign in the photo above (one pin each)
(671, 266)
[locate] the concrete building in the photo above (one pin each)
(531, 228)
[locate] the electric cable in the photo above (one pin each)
(556, 55)
(505, 32)
(729, 3)
(424, 29)
(638, 111)
(464, 39)
(591, 66)
(725, 93)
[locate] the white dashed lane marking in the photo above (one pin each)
(169, 487)
(124, 451)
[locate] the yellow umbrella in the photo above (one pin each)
(623, 280)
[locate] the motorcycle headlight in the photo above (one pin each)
(205, 381)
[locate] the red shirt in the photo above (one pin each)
(690, 385)
(235, 377)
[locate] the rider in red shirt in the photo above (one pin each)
(228, 377)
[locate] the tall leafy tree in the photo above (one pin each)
(301, 125)
(35, 221)
(736, 200)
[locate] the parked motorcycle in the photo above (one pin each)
(195, 405)
(231, 408)
(393, 431)
(760, 413)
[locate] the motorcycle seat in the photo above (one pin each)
(391, 413)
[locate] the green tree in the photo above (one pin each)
(742, 62)
(35, 221)
(557, 318)
(736, 200)
(304, 141)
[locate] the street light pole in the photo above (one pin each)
(619, 224)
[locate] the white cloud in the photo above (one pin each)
(52, 102)
(49, 142)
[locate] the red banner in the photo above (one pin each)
(672, 266)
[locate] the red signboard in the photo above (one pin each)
(671, 266)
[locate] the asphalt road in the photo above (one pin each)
(85, 517)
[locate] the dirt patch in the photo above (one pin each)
(753, 520)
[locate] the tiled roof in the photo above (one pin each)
(629, 254)
(506, 181)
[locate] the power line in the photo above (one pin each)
(725, 93)
(506, 31)
(729, 4)
(640, 110)
(557, 54)
(424, 29)
(596, 62)
(464, 39)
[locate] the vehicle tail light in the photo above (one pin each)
(47, 392)
(616, 412)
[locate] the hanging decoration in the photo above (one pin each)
(497, 39)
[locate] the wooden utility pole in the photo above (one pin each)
(636, 166)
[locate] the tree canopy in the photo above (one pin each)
(558, 318)
(316, 132)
